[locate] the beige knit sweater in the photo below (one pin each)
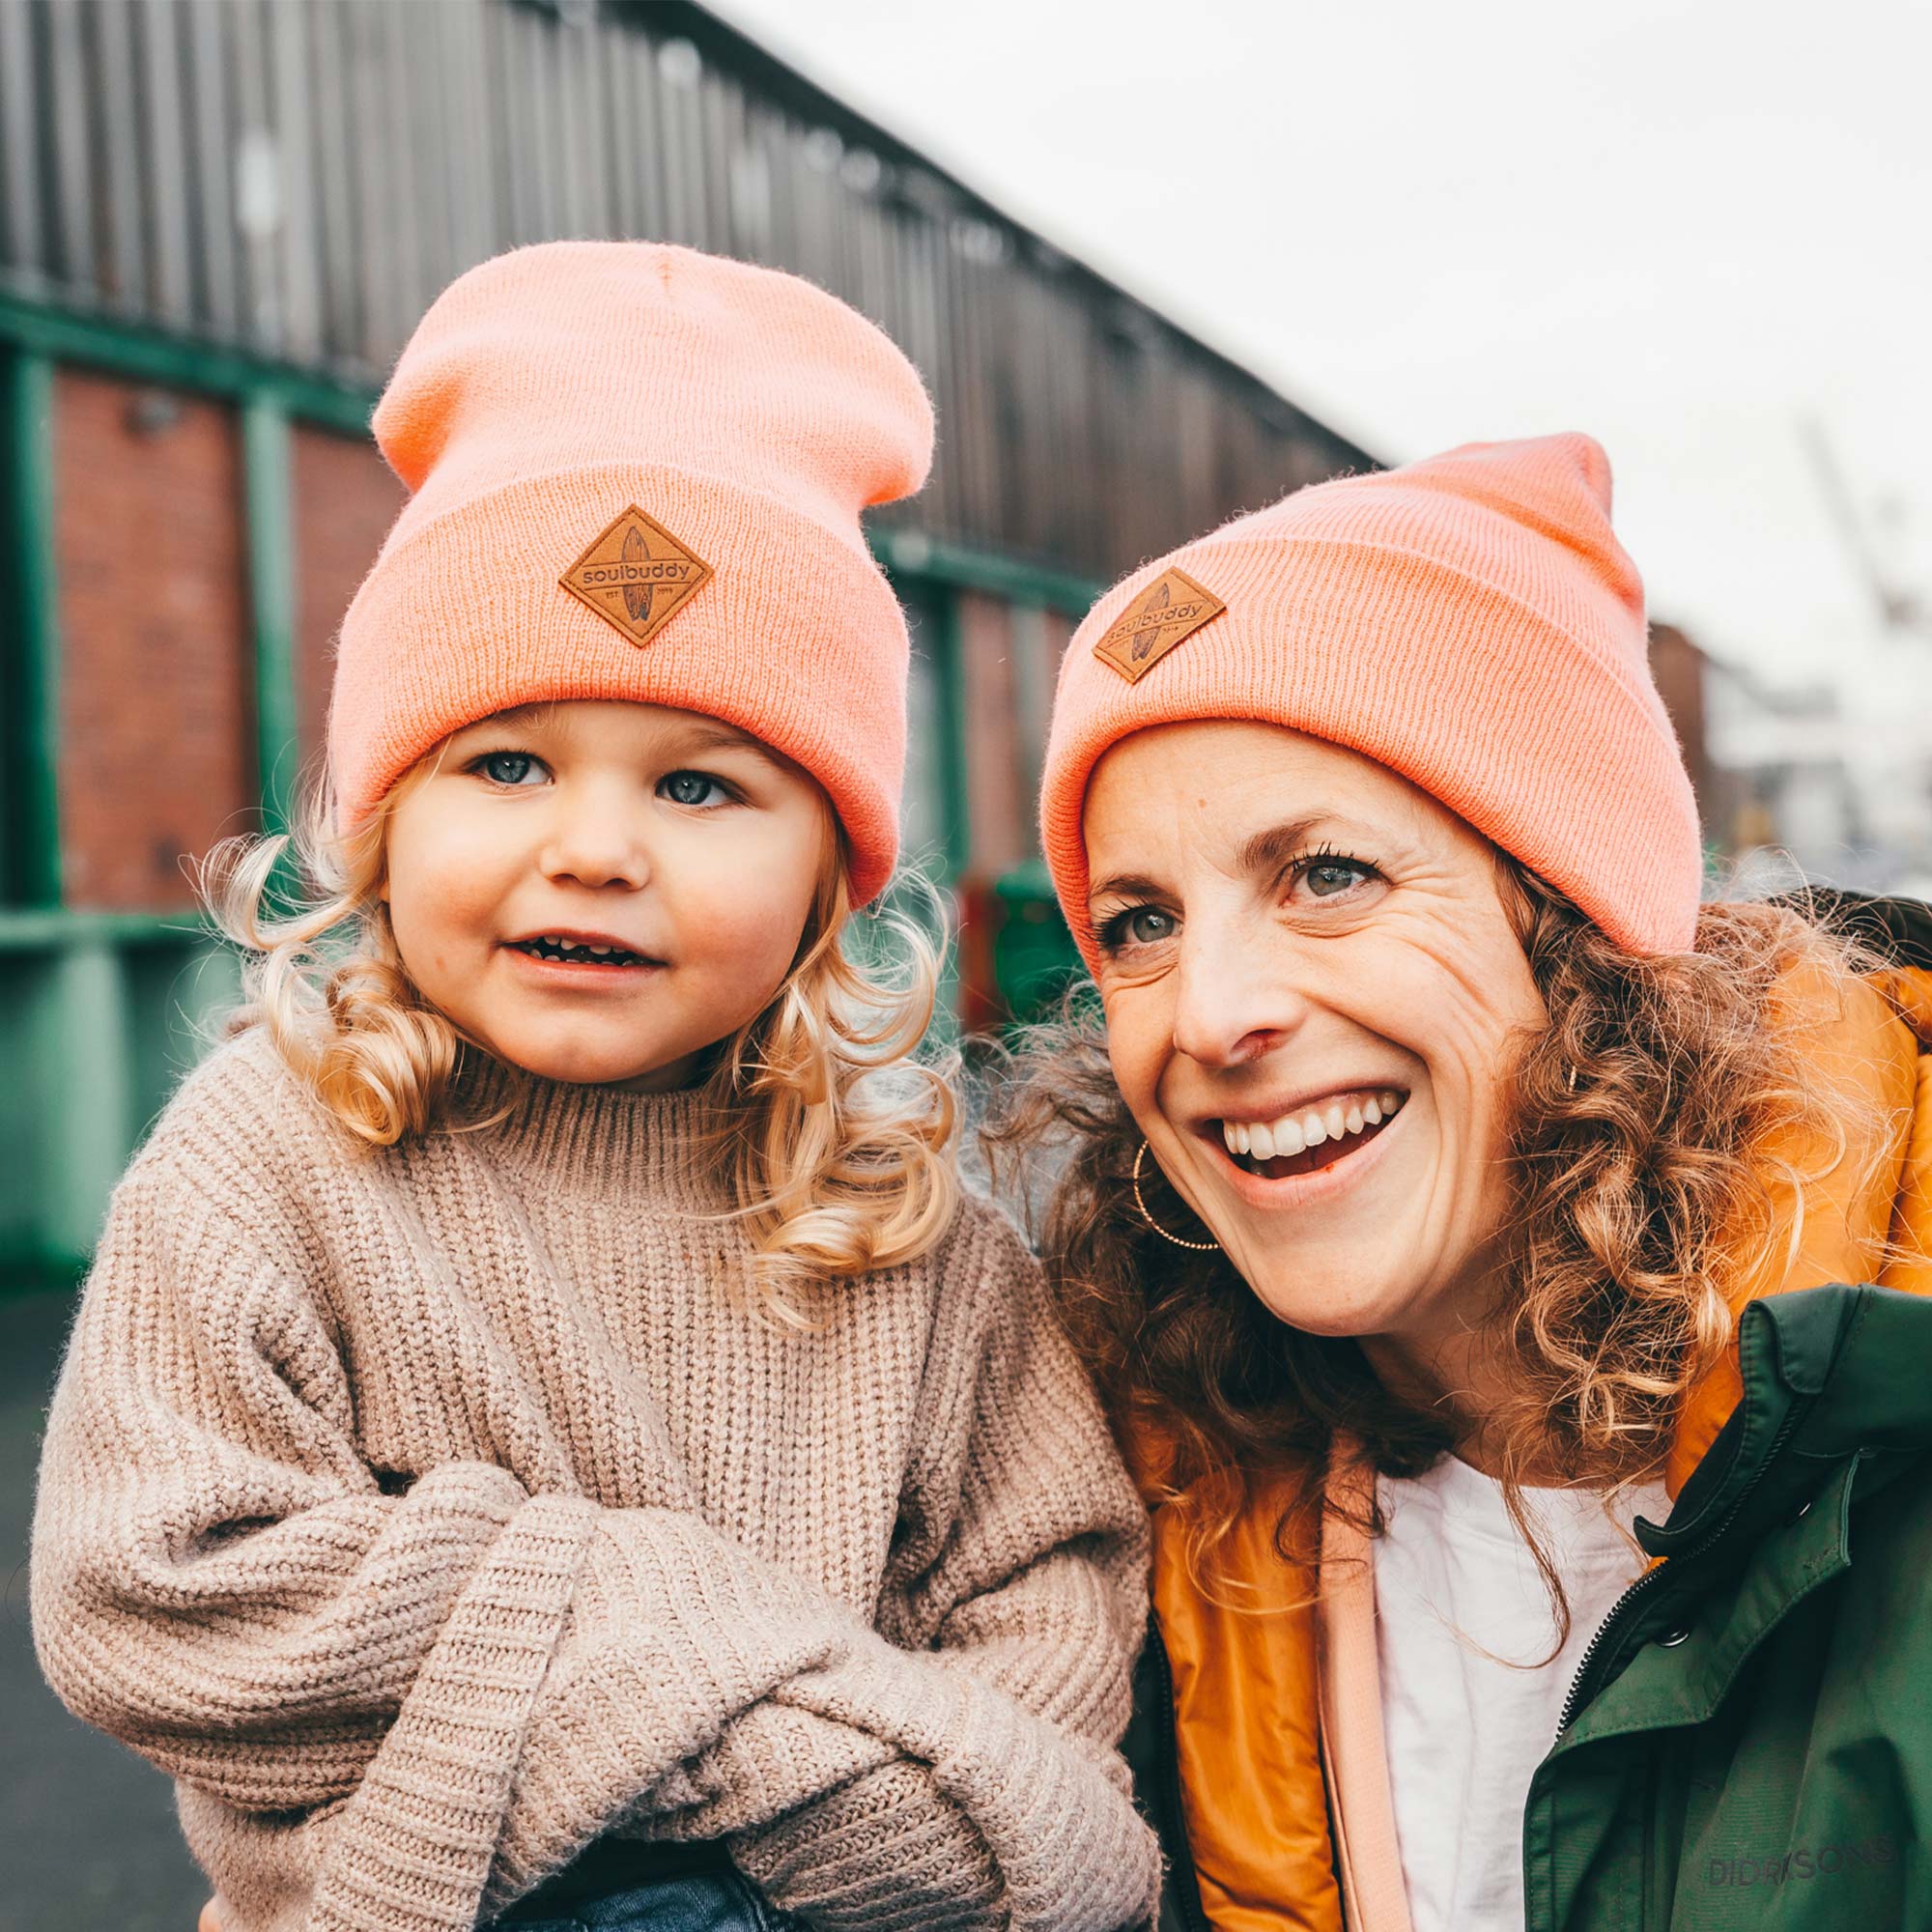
(428, 1514)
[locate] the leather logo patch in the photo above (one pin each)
(1173, 608)
(637, 575)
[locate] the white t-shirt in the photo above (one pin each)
(1465, 1732)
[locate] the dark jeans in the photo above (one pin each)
(705, 1902)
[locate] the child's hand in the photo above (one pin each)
(210, 1915)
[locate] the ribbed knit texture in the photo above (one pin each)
(751, 414)
(1473, 623)
(426, 1514)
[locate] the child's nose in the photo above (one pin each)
(598, 847)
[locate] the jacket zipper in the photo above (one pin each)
(1572, 1703)
(1192, 1911)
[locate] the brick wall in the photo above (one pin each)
(1011, 658)
(157, 758)
(346, 497)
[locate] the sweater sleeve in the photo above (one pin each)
(1019, 1578)
(221, 1582)
(217, 1579)
(1023, 1554)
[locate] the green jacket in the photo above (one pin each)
(1750, 1739)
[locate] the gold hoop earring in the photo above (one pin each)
(1199, 1247)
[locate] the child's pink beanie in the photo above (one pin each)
(1472, 622)
(637, 472)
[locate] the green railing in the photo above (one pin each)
(99, 1015)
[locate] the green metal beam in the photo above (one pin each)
(28, 1269)
(956, 795)
(55, 929)
(81, 1039)
(271, 600)
(146, 355)
(29, 630)
(915, 555)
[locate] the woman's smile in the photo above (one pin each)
(1308, 1138)
(1319, 1175)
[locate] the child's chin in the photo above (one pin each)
(589, 1063)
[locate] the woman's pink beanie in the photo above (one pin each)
(637, 472)
(1472, 622)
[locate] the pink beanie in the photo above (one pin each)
(1472, 622)
(637, 472)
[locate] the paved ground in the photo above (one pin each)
(88, 1838)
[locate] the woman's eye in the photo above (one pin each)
(1326, 878)
(691, 788)
(1137, 925)
(508, 768)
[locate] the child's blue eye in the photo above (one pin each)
(508, 768)
(698, 788)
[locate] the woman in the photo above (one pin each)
(1452, 1219)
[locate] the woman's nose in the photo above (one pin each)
(1236, 998)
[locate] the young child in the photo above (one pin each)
(544, 1436)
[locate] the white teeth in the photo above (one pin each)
(551, 939)
(600, 951)
(1290, 1135)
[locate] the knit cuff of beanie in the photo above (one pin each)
(477, 597)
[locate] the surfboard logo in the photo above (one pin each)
(1168, 613)
(637, 575)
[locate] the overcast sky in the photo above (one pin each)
(1683, 227)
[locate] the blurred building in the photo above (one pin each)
(1796, 782)
(218, 222)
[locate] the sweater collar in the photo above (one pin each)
(593, 1140)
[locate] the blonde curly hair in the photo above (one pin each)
(836, 1133)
